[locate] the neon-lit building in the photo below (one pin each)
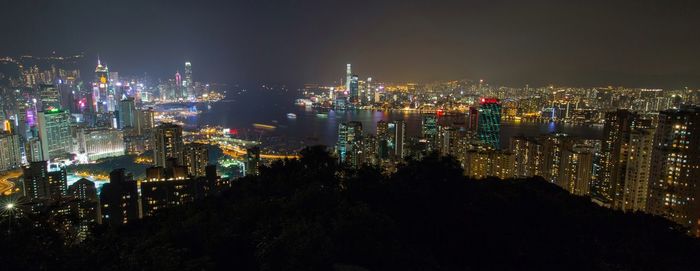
(489, 122)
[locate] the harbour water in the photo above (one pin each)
(242, 111)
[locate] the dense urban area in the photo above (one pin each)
(72, 143)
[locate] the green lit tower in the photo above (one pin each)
(489, 124)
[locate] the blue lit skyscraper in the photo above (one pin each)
(349, 140)
(354, 89)
(489, 124)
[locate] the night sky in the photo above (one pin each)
(638, 43)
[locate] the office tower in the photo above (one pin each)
(252, 161)
(188, 82)
(100, 87)
(127, 113)
(429, 128)
(10, 156)
(349, 143)
(674, 188)
(50, 98)
(368, 96)
(178, 85)
(85, 206)
(489, 122)
(188, 74)
(398, 130)
(196, 159)
(54, 133)
(167, 143)
(354, 91)
(98, 143)
(119, 199)
(348, 77)
(575, 169)
(57, 181)
(35, 185)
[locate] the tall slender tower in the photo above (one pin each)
(178, 85)
(188, 83)
(348, 77)
(100, 86)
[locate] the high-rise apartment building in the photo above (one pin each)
(674, 183)
(167, 144)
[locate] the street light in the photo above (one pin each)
(9, 207)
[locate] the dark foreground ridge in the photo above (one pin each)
(309, 214)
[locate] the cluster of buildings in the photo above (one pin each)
(645, 162)
(50, 113)
(180, 174)
(550, 103)
(53, 118)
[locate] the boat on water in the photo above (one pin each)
(291, 116)
(322, 115)
(264, 126)
(303, 102)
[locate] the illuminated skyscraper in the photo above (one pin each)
(624, 137)
(429, 129)
(167, 144)
(54, 133)
(127, 113)
(348, 77)
(489, 124)
(674, 184)
(354, 89)
(575, 167)
(101, 87)
(188, 83)
(179, 89)
(398, 131)
(50, 98)
(635, 187)
(349, 143)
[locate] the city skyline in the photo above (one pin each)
(361, 135)
(592, 43)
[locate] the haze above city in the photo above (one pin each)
(580, 43)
